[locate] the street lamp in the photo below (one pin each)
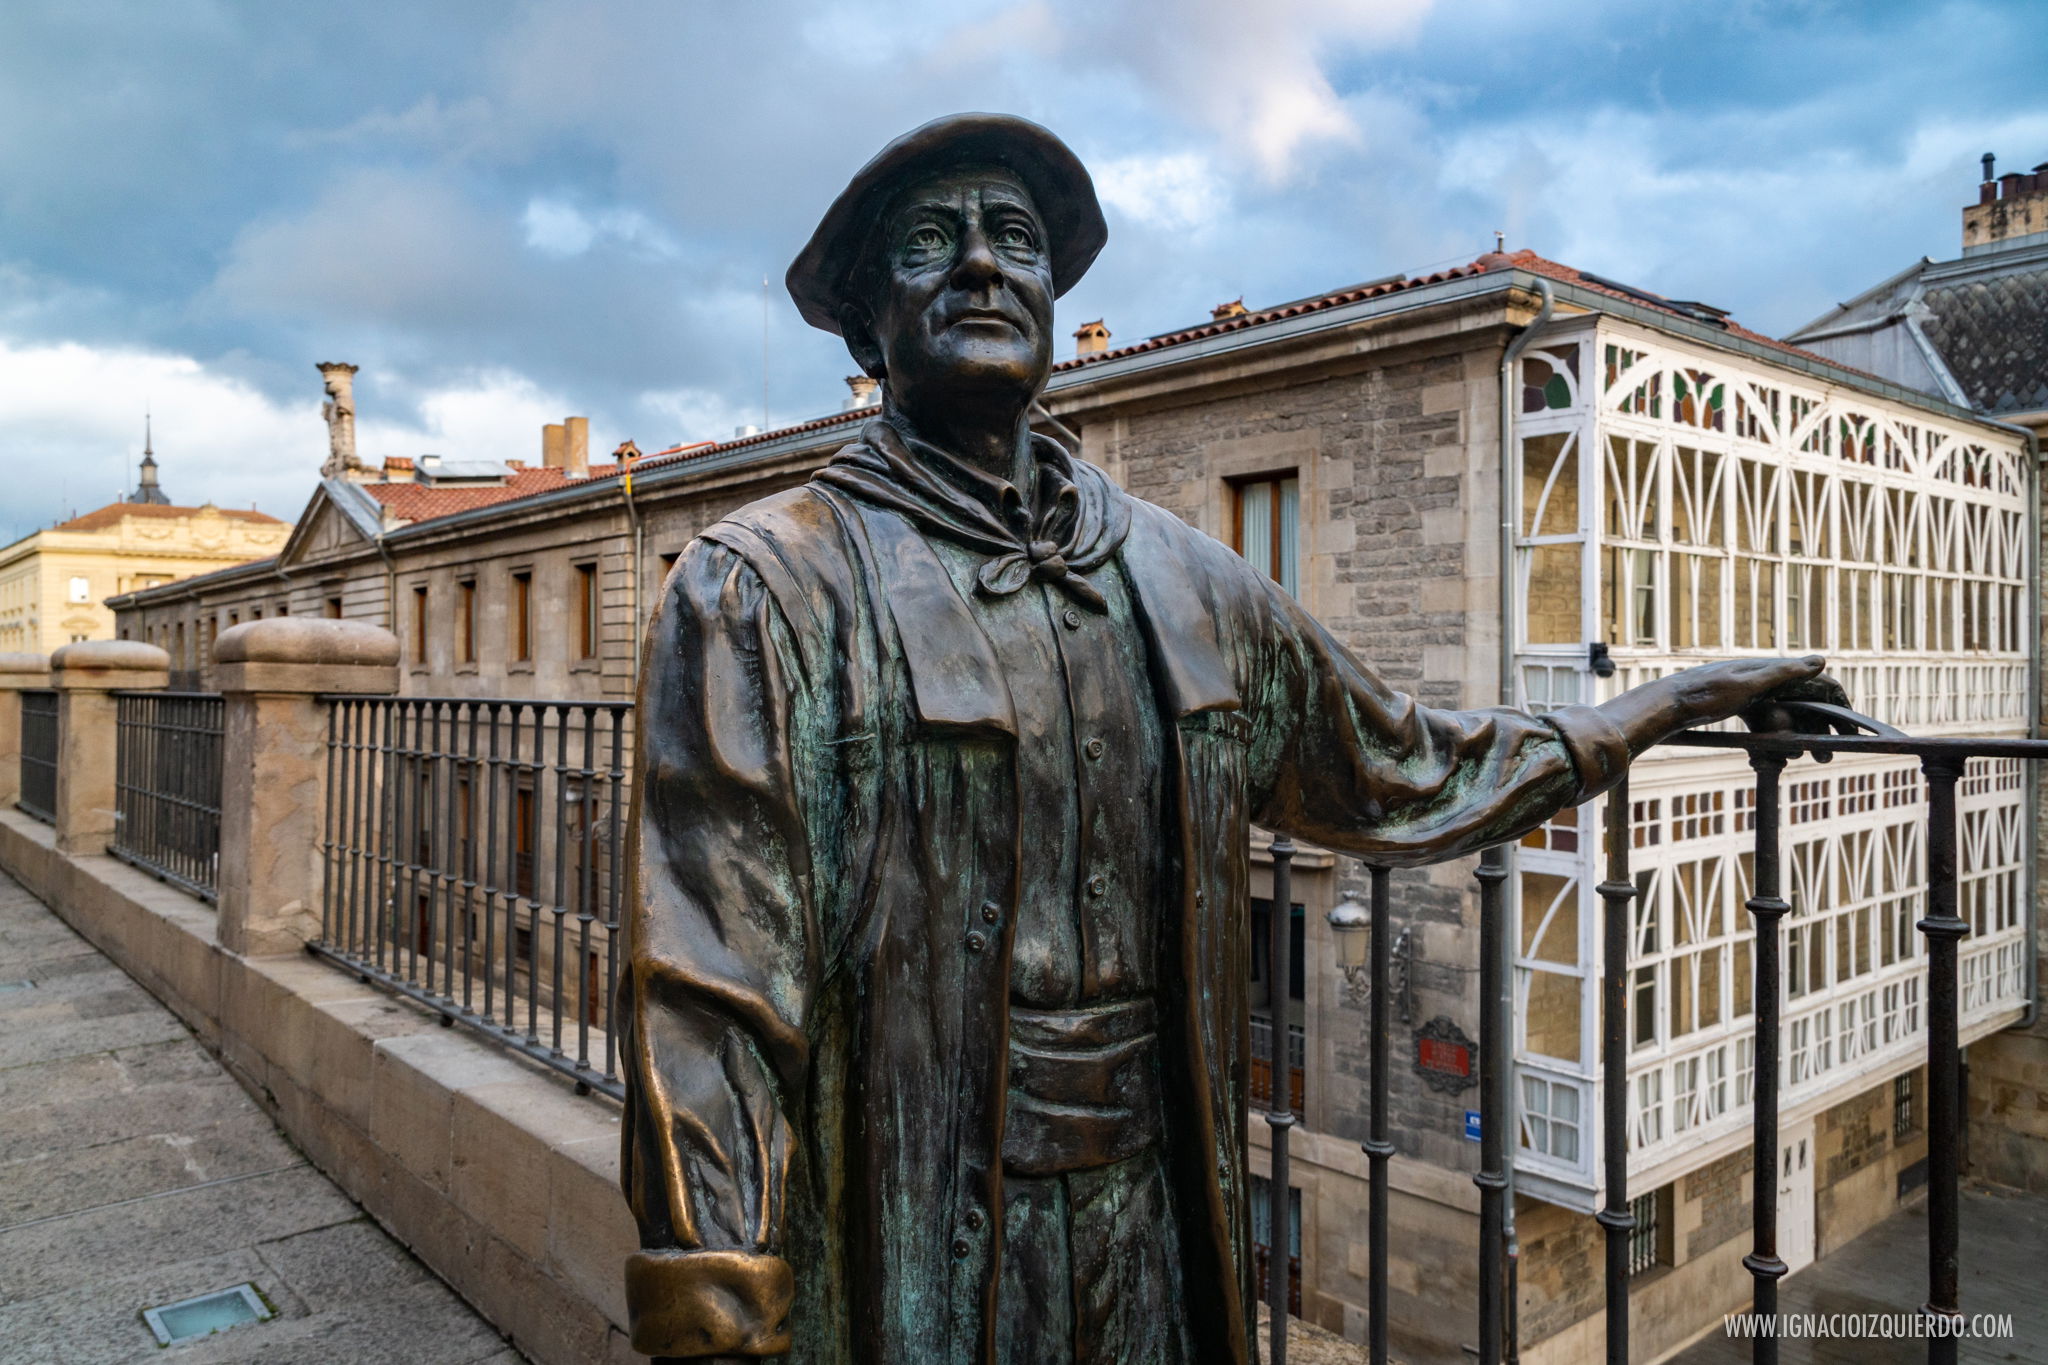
(1351, 925)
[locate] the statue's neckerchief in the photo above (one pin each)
(1078, 522)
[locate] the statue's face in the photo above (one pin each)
(962, 304)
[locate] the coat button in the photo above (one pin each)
(989, 912)
(1071, 619)
(961, 1246)
(975, 942)
(1097, 885)
(974, 1220)
(1093, 748)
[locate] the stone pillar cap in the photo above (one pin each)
(21, 661)
(307, 640)
(110, 656)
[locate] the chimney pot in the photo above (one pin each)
(862, 391)
(1234, 309)
(554, 445)
(576, 442)
(1990, 166)
(1091, 338)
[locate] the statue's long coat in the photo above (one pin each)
(826, 810)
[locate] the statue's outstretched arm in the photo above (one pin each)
(1342, 759)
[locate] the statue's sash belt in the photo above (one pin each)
(1084, 1087)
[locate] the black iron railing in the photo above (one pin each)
(39, 755)
(167, 776)
(1262, 1064)
(1943, 764)
(473, 863)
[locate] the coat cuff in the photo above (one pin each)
(703, 1303)
(1599, 751)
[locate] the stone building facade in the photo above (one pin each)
(54, 583)
(1353, 445)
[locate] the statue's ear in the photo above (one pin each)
(859, 332)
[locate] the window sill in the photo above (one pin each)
(523, 666)
(466, 670)
(586, 665)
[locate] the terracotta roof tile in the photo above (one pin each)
(102, 517)
(417, 502)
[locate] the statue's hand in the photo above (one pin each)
(1768, 714)
(1713, 692)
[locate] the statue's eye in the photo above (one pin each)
(926, 238)
(1015, 235)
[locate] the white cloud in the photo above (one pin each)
(72, 418)
(1177, 192)
(1255, 75)
(559, 228)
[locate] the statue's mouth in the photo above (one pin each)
(986, 317)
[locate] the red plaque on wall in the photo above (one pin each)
(1444, 1056)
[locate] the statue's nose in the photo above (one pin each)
(977, 265)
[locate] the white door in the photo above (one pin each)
(1795, 1196)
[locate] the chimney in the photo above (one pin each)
(340, 411)
(2010, 210)
(554, 445)
(1234, 309)
(576, 451)
(1091, 338)
(861, 392)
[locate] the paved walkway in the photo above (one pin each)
(2004, 1271)
(134, 1172)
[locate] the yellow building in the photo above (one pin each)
(54, 582)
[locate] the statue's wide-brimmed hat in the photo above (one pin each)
(1058, 182)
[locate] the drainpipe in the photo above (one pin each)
(1509, 467)
(633, 515)
(390, 585)
(2029, 835)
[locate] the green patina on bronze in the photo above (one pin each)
(936, 1016)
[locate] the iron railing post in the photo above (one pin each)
(1494, 1068)
(1766, 907)
(1378, 1150)
(1280, 1104)
(1943, 929)
(1616, 893)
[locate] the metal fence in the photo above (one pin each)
(167, 778)
(39, 755)
(473, 855)
(1943, 763)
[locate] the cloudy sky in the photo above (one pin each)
(509, 212)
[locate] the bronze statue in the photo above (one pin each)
(936, 1015)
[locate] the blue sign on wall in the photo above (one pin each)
(1472, 1125)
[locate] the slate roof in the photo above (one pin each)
(1992, 332)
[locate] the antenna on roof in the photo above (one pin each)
(764, 352)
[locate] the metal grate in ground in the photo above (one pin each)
(134, 1173)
